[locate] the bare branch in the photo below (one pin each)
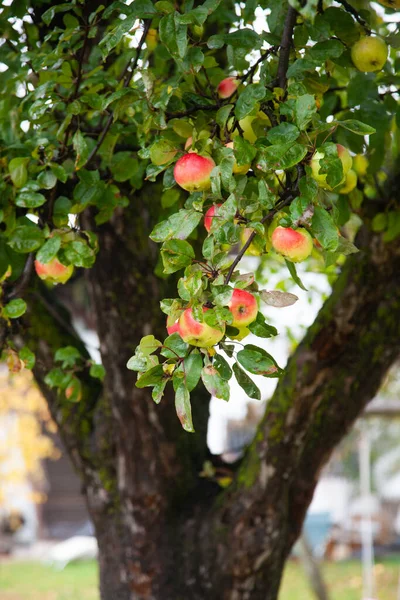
(285, 46)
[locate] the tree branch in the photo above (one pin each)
(350, 9)
(126, 77)
(285, 46)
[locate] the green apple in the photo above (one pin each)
(320, 178)
(369, 54)
(256, 247)
(198, 334)
(350, 183)
(294, 244)
(152, 39)
(360, 164)
(243, 332)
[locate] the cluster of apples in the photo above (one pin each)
(243, 307)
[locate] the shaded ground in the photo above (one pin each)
(34, 581)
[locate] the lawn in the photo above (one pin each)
(33, 581)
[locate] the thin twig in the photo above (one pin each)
(251, 237)
(252, 70)
(127, 81)
(191, 110)
(23, 281)
(285, 45)
(350, 9)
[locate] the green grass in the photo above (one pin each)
(78, 581)
(34, 581)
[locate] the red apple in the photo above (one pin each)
(192, 172)
(172, 325)
(243, 307)
(294, 244)
(227, 86)
(198, 334)
(54, 271)
(210, 214)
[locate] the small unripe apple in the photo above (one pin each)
(198, 334)
(350, 183)
(54, 271)
(243, 332)
(244, 308)
(210, 215)
(369, 54)
(247, 125)
(242, 170)
(69, 392)
(294, 244)
(152, 39)
(320, 178)
(188, 145)
(256, 247)
(172, 325)
(227, 86)
(360, 164)
(192, 172)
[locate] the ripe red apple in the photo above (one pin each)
(192, 172)
(227, 86)
(210, 214)
(243, 307)
(198, 334)
(54, 271)
(294, 244)
(172, 325)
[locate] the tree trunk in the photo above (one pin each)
(164, 533)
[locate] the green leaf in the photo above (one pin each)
(158, 391)
(246, 383)
(304, 110)
(176, 254)
(222, 367)
(49, 249)
(30, 200)
(357, 127)
(15, 308)
(214, 383)
(97, 371)
(28, 357)
(47, 180)
(244, 151)
(79, 254)
(123, 166)
(243, 38)
(26, 238)
(324, 229)
(18, 171)
(283, 134)
(258, 361)
(260, 328)
(183, 408)
(81, 149)
(50, 13)
(292, 270)
(179, 226)
(149, 344)
(192, 366)
(59, 172)
(326, 50)
(62, 208)
(151, 377)
(251, 95)
(174, 347)
(68, 356)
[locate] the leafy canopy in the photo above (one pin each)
(95, 106)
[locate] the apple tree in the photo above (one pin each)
(145, 148)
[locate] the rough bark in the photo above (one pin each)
(163, 532)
